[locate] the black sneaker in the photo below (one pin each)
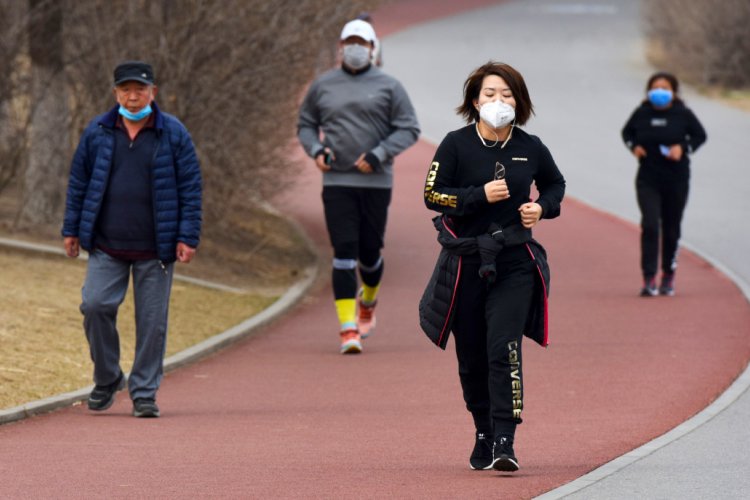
(103, 396)
(481, 457)
(145, 408)
(649, 288)
(503, 458)
(667, 285)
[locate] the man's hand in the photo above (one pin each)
(675, 152)
(72, 246)
(362, 165)
(320, 160)
(639, 152)
(185, 253)
(496, 191)
(530, 214)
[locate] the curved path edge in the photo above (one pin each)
(187, 356)
(247, 327)
(734, 277)
(724, 400)
(737, 389)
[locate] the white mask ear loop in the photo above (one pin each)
(497, 139)
(510, 134)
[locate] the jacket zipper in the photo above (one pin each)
(153, 200)
(111, 137)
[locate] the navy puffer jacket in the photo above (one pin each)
(175, 182)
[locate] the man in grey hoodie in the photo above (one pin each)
(354, 120)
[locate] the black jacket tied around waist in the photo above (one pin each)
(437, 304)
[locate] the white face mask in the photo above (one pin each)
(356, 56)
(497, 114)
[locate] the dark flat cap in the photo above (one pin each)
(134, 71)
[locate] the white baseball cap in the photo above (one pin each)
(359, 28)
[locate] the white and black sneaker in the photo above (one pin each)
(503, 457)
(667, 285)
(649, 287)
(481, 457)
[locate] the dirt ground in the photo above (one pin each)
(44, 351)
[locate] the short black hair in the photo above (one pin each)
(473, 85)
(666, 76)
(672, 82)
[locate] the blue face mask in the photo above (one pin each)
(137, 116)
(660, 97)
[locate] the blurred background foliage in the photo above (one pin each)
(233, 71)
(704, 42)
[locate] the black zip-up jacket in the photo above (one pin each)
(651, 128)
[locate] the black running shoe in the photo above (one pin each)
(103, 396)
(145, 408)
(503, 457)
(667, 285)
(481, 457)
(649, 288)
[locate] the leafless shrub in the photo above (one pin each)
(232, 70)
(705, 41)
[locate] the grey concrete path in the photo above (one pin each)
(585, 67)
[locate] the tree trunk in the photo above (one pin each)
(44, 178)
(12, 140)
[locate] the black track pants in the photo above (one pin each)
(488, 328)
(356, 220)
(662, 204)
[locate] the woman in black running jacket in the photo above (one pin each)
(480, 181)
(661, 133)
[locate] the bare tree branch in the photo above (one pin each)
(233, 71)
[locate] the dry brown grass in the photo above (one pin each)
(739, 99)
(44, 350)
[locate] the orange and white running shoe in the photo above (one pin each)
(351, 342)
(366, 319)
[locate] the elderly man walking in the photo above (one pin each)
(366, 119)
(134, 204)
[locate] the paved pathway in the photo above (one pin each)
(584, 62)
(282, 415)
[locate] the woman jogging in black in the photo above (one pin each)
(491, 281)
(661, 133)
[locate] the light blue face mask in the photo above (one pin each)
(660, 97)
(138, 115)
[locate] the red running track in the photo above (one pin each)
(283, 415)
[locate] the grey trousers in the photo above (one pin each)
(103, 291)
